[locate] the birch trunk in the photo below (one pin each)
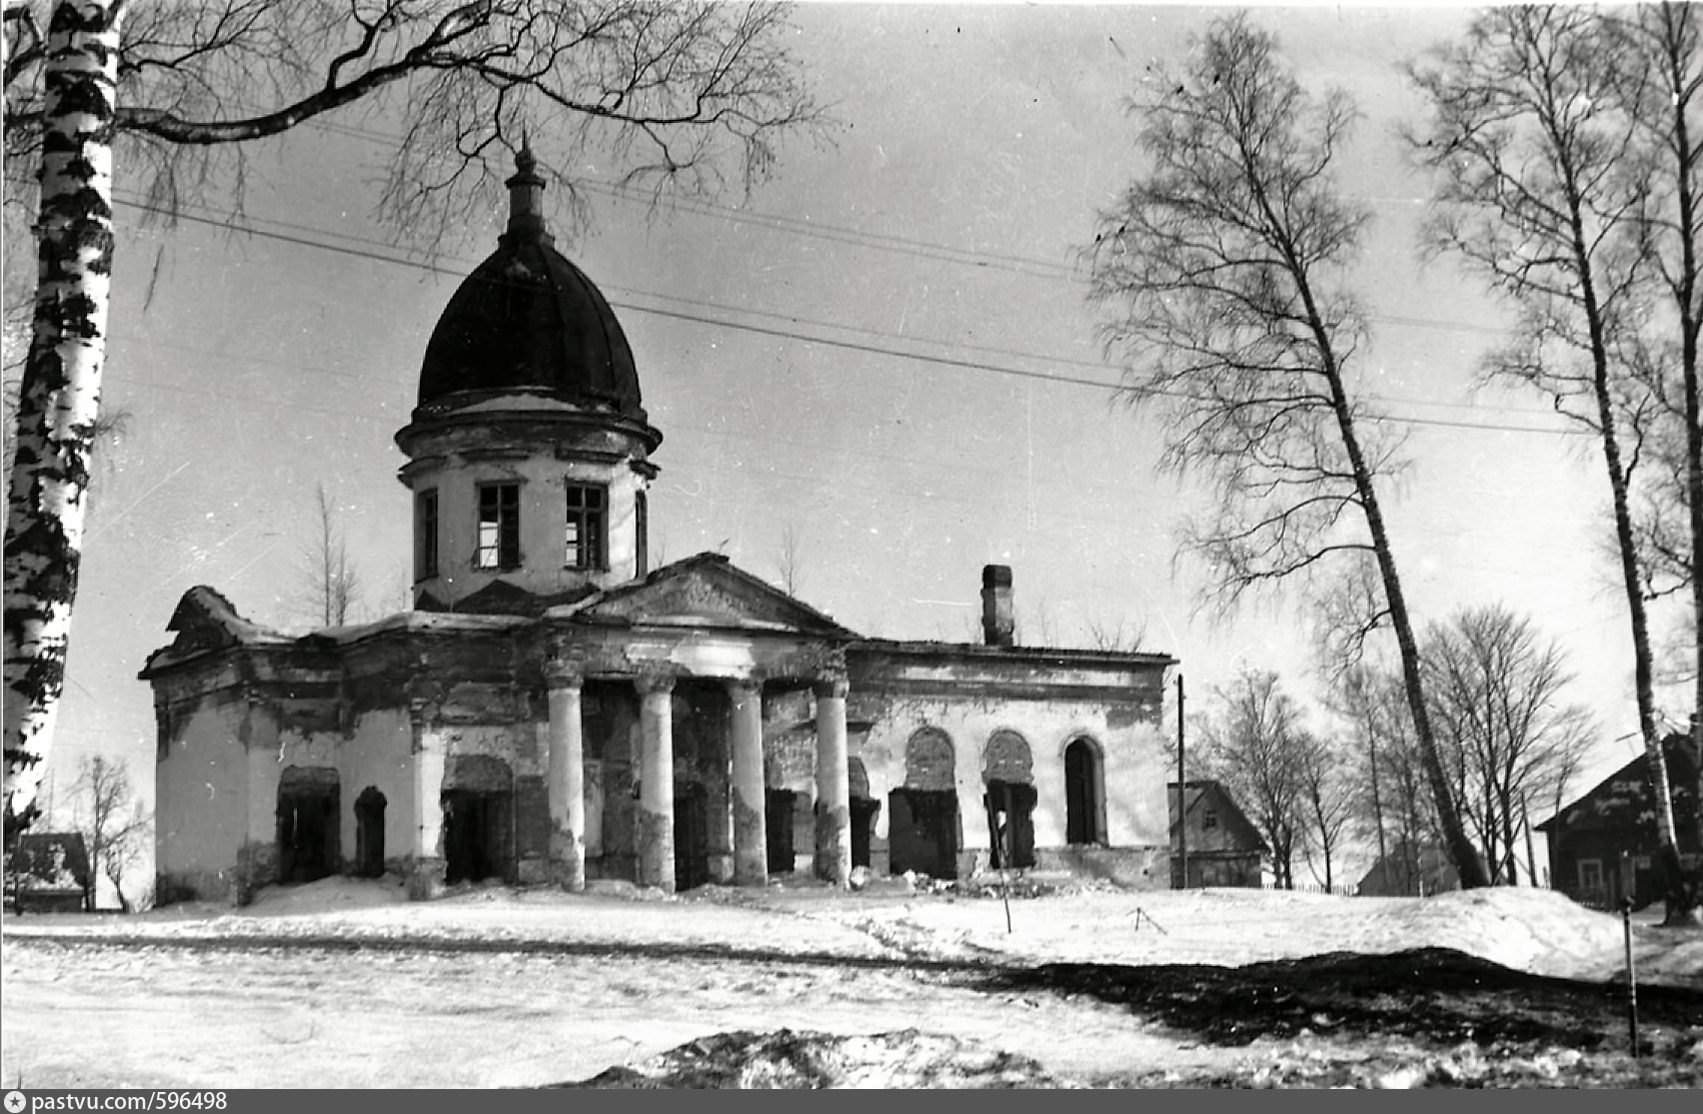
(59, 397)
(1678, 40)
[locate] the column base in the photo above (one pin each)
(426, 879)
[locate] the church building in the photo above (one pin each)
(553, 710)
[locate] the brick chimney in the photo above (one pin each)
(998, 626)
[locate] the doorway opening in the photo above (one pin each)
(309, 846)
(369, 833)
(778, 820)
(691, 835)
(922, 817)
(922, 832)
(1082, 794)
(1011, 824)
(864, 810)
(478, 819)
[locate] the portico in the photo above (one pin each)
(698, 635)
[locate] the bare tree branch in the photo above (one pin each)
(1223, 273)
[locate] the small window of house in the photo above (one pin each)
(499, 527)
(1209, 819)
(1590, 875)
(426, 535)
(587, 511)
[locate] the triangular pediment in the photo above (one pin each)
(706, 590)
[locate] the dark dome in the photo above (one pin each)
(527, 318)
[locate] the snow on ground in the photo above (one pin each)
(1539, 931)
(491, 986)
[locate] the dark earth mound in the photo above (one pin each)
(1428, 1017)
(1438, 994)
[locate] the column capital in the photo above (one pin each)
(651, 682)
(561, 674)
(831, 686)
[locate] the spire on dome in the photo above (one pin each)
(526, 198)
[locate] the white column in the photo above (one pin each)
(427, 851)
(566, 785)
(750, 818)
(833, 784)
(656, 781)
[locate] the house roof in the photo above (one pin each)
(1681, 753)
(53, 860)
(1427, 859)
(1202, 792)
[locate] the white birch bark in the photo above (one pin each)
(59, 399)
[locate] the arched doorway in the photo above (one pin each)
(922, 828)
(1008, 771)
(1083, 789)
(369, 833)
(478, 819)
(309, 846)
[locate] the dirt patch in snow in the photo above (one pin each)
(815, 1061)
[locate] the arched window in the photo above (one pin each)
(929, 761)
(1007, 759)
(1008, 770)
(922, 826)
(1084, 793)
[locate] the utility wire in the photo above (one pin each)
(874, 349)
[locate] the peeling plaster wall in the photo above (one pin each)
(202, 783)
(378, 751)
(1133, 771)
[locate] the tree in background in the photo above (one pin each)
(1222, 270)
(1548, 184)
(330, 582)
(1252, 742)
(114, 827)
(787, 560)
(1499, 694)
(1328, 801)
(168, 91)
(1390, 805)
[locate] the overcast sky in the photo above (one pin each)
(886, 348)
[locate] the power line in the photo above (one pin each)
(879, 241)
(872, 349)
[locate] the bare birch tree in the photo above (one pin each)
(693, 94)
(1663, 87)
(1545, 185)
(1223, 274)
